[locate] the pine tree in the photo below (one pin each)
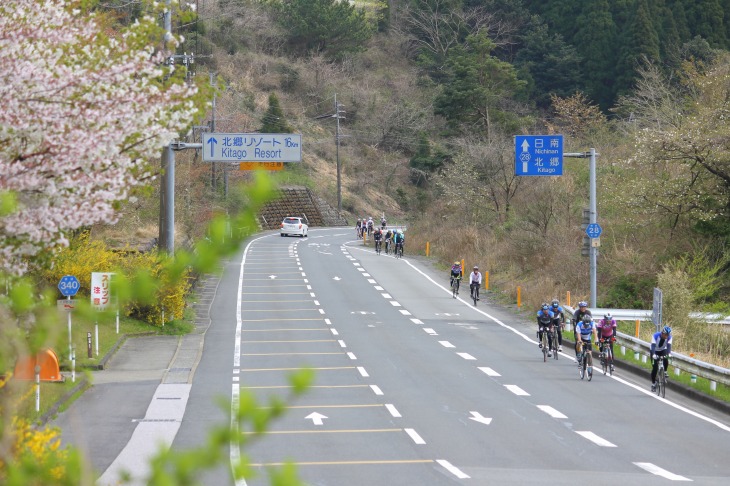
(274, 121)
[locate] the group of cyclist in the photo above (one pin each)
(587, 331)
(382, 235)
(475, 277)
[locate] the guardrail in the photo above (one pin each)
(645, 315)
(714, 373)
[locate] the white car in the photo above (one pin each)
(294, 226)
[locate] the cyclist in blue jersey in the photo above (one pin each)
(558, 321)
(544, 321)
(661, 348)
(584, 332)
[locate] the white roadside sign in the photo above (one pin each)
(252, 147)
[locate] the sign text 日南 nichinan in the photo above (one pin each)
(253, 147)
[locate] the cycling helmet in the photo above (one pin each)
(587, 318)
(545, 306)
(582, 303)
(608, 316)
(667, 330)
(476, 268)
(457, 263)
(556, 303)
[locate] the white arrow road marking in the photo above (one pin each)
(272, 277)
(477, 417)
(336, 278)
(316, 418)
(594, 438)
(656, 470)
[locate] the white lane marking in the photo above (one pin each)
(552, 412)
(393, 411)
(360, 269)
(489, 371)
(446, 344)
(657, 471)
(452, 469)
(478, 417)
(466, 356)
(321, 311)
(366, 275)
(405, 312)
(517, 390)
(334, 331)
(356, 264)
(414, 435)
(430, 331)
(328, 322)
(378, 287)
(416, 321)
(387, 296)
(342, 343)
(304, 274)
(236, 371)
(351, 356)
(594, 438)
(362, 371)
(306, 280)
(300, 268)
(372, 281)
(376, 389)
(309, 287)
(394, 303)
(316, 302)
(236, 379)
(311, 293)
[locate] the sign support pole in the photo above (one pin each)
(68, 298)
(593, 249)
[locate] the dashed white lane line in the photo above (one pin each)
(387, 296)
(657, 471)
(376, 389)
(405, 312)
(360, 269)
(393, 411)
(356, 264)
(328, 322)
(414, 435)
(552, 412)
(489, 371)
(452, 469)
(304, 274)
(362, 372)
(372, 281)
(309, 287)
(430, 331)
(334, 332)
(594, 438)
(378, 287)
(342, 343)
(446, 344)
(394, 303)
(312, 293)
(517, 390)
(351, 356)
(316, 302)
(321, 311)
(416, 321)
(466, 356)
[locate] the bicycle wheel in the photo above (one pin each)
(582, 367)
(661, 389)
(555, 344)
(474, 295)
(455, 287)
(609, 358)
(543, 340)
(589, 365)
(604, 364)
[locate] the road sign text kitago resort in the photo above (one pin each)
(252, 147)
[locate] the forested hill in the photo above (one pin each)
(611, 36)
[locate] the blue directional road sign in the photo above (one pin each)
(594, 230)
(252, 147)
(538, 155)
(69, 285)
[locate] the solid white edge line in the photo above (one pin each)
(414, 435)
(657, 471)
(452, 469)
(393, 411)
(552, 412)
(594, 438)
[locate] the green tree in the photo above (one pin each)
(274, 120)
(426, 161)
(642, 42)
(330, 27)
(479, 86)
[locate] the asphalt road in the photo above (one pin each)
(414, 387)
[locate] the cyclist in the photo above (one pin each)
(456, 272)
(377, 237)
(578, 318)
(661, 348)
(382, 222)
(585, 330)
(475, 281)
(358, 228)
(370, 226)
(399, 240)
(545, 319)
(388, 240)
(606, 329)
(558, 321)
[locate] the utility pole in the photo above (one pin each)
(212, 130)
(338, 114)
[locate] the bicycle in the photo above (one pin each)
(399, 250)
(475, 292)
(377, 246)
(455, 281)
(585, 367)
(661, 388)
(387, 246)
(606, 357)
(554, 335)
